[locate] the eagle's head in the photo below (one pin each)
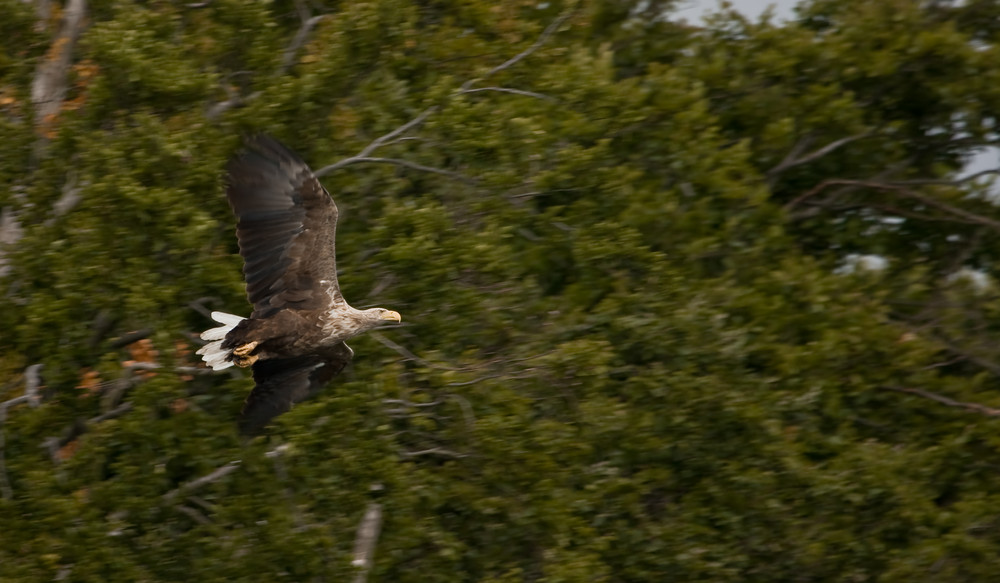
(380, 316)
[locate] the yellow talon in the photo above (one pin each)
(245, 349)
(245, 361)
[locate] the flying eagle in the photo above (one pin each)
(286, 224)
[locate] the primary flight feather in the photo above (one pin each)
(286, 224)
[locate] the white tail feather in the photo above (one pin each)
(224, 318)
(212, 353)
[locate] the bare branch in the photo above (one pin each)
(214, 476)
(381, 286)
(406, 403)
(365, 153)
(48, 88)
(434, 451)
(796, 151)
(177, 369)
(955, 349)
(131, 337)
(365, 540)
(792, 160)
(885, 208)
(233, 101)
(288, 58)
(5, 489)
(68, 200)
(549, 31)
(217, 474)
(397, 162)
(202, 502)
(943, 182)
(899, 189)
(10, 233)
(287, 61)
(974, 407)
(467, 414)
(198, 305)
(193, 514)
(116, 412)
(542, 193)
(406, 353)
(378, 142)
(513, 91)
(474, 381)
(43, 11)
(78, 428)
(287, 491)
(278, 451)
(32, 382)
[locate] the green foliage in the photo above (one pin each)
(639, 342)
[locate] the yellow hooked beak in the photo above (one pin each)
(390, 315)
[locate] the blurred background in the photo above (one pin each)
(686, 296)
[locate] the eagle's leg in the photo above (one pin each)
(245, 349)
(245, 361)
(242, 356)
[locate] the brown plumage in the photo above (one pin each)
(294, 339)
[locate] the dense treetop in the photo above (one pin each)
(681, 302)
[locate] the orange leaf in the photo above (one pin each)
(179, 405)
(65, 452)
(182, 348)
(143, 351)
(90, 381)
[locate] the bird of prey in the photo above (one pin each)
(294, 339)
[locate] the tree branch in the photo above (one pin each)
(217, 474)
(48, 88)
(193, 514)
(32, 383)
(406, 403)
(955, 349)
(68, 200)
(378, 142)
(974, 407)
(308, 23)
(131, 337)
(899, 189)
(792, 159)
(943, 182)
(514, 91)
(10, 233)
(549, 31)
(365, 153)
(397, 162)
(177, 369)
(214, 476)
(435, 451)
(235, 100)
(406, 353)
(365, 540)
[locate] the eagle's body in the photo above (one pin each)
(294, 339)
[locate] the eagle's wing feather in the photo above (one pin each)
(286, 226)
(282, 382)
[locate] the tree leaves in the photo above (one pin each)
(631, 349)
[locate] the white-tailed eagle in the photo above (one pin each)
(286, 224)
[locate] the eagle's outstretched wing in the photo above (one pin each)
(286, 226)
(282, 382)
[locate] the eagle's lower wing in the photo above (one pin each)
(286, 226)
(282, 382)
